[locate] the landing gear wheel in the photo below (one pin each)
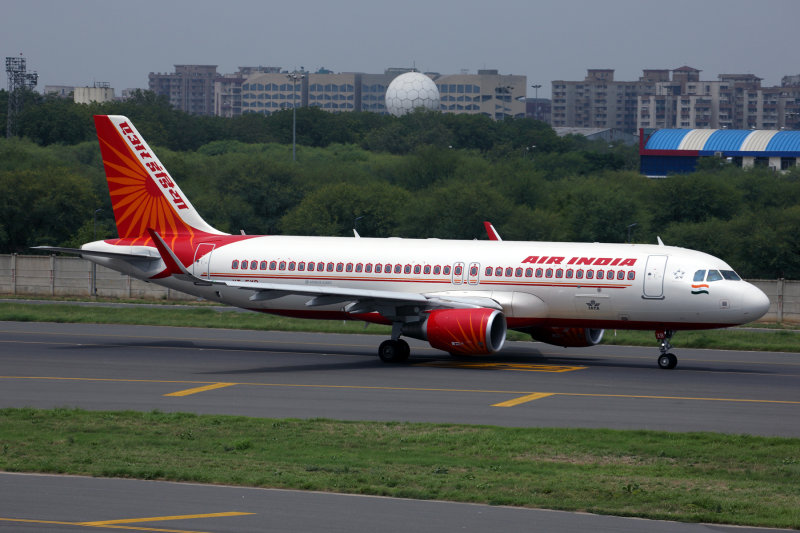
(667, 361)
(394, 351)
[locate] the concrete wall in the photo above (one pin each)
(42, 275)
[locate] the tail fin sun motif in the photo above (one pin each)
(143, 194)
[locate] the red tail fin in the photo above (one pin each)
(143, 193)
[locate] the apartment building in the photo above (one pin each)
(599, 101)
(190, 88)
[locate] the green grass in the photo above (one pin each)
(205, 316)
(694, 477)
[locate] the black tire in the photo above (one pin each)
(667, 361)
(391, 351)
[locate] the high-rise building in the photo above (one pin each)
(190, 88)
(599, 101)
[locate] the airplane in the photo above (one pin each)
(459, 296)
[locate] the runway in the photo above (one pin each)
(278, 374)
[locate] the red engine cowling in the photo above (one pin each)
(568, 337)
(462, 331)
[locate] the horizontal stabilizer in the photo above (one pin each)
(97, 253)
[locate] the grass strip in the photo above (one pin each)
(692, 477)
(206, 317)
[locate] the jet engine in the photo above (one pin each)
(567, 337)
(479, 331)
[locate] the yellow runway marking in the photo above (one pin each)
(523, 399)
(524, 367)
(122, 524)
(195, 390)
(413, 389)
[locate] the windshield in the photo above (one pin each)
(730, 275)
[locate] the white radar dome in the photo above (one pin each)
(409, 91)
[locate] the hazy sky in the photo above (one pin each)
(78, 42)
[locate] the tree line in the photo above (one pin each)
(422, 175)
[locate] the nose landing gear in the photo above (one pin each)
(666, 360)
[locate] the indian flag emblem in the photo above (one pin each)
(700, 288)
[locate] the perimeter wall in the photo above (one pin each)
(42, 275)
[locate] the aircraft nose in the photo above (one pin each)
(755, 303)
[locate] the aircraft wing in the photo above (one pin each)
(359, 301)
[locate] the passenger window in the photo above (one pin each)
(528, 272)
(368, 268)
(235, 264)
(292, 264)
(569, 273)
(359, 267)
(458, 271)
(631, 274)
(548, 273)
(311, 266)
(446, 270)
(559, 273)
(398, 268)
(407, 269)
(244, 264)
(509, 272)
(321, 266)
(579, 274)
(417, 269)
(700, 275)
(262, 265)
(378, 268)
(589, 274)
(436, 270)
(539, 272)
(349, 267)
(473, 271)
(600, 274)
(253, 265)
(498, 271)
(488, 271)
(330, 267)
(621, 275)
(301, 266)
(339, 267)
(518, 272)
(713, 275)
(427, 269)
(282, 265)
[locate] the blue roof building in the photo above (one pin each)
(677, 151)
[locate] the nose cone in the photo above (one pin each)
(755, 303)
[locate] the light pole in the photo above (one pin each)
(295, 77)
(536, 100)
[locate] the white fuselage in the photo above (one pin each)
(537, 283)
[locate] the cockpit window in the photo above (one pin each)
(713, 275)
(730, 275)
(700, 275)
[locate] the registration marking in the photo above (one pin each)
(523, 399)
(521, 367)
(195, 390)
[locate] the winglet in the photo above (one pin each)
(174, 265)
(493, 235)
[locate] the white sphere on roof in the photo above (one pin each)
(409, 91)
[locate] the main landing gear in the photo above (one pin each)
(394, 351)
(666, 360)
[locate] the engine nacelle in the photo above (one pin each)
(462, 331)
(568, 337)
